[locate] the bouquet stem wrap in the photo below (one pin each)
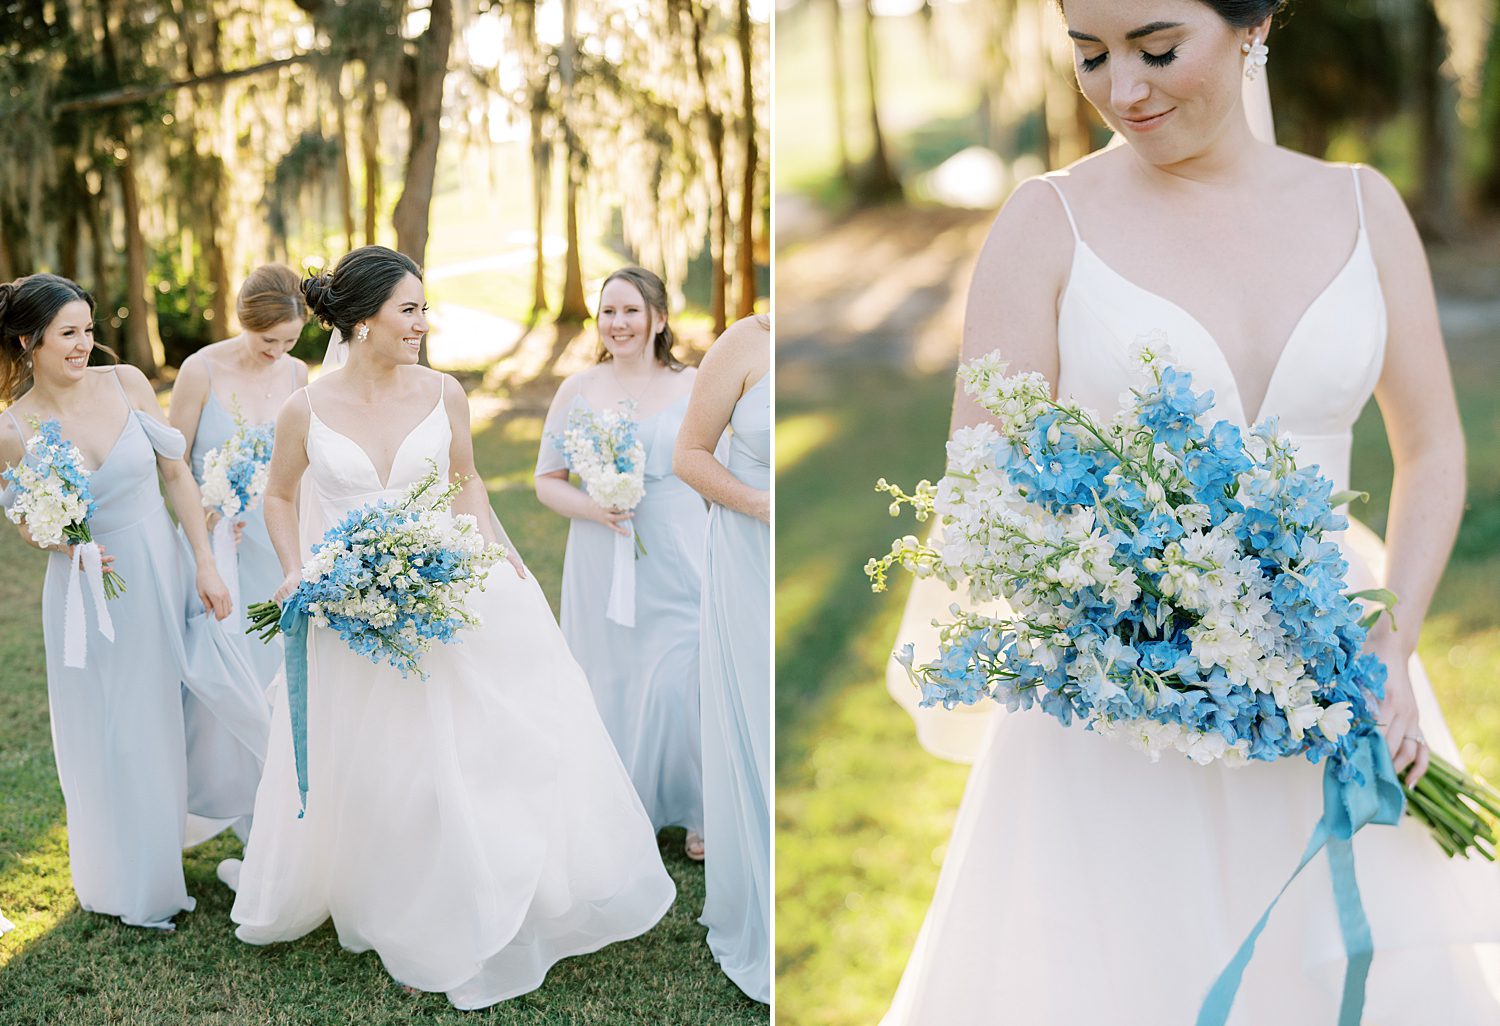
(226, 558)
(86, 564)
(621, 608)
(1347, 806)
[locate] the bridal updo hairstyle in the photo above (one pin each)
(357, 287)
(1239, 13)
(27, 307)
(271, 295)
(654, 291)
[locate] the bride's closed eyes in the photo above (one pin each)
(1156, 60)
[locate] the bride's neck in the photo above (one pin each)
(1236, 158)
(369, 376)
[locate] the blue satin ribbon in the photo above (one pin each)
(293, 625)
(1346, 808)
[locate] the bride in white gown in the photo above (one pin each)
(1085, 885)
(473, 828)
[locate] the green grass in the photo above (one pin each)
(66, 967)
(863, 813)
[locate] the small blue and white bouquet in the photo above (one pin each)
(605, 451)
(50, 493)
(234, 474)
(1170, 582)
(391, 578)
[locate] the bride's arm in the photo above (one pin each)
(1014, 293)
(288, 462)
(473, 498)
(1415, 393)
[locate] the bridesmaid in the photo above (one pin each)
(733, 390)
(644, 677)
(251, 374)
(117, 723)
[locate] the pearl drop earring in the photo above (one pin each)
(1256, 54)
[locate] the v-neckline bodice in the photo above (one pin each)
(385, 483)
(1361, 247)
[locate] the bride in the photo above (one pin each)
(473, 828)
(1083, 883)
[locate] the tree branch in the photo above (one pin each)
(135, 94)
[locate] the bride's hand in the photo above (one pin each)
(515, 561)
(614, 519)
(1398, 717)
(288, 586)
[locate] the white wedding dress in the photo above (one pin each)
(1085, 885)
(473, 828)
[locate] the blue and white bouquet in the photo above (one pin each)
(1170, 584)
(234, 474)
(51, 495)
(391, 578)
(605, 451)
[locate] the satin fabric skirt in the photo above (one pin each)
(472, 829)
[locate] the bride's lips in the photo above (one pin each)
(1146, 124)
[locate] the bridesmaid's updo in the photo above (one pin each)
(271, 295)
(654, 291)
(1239, 13)
(357, 287)
(27, 307)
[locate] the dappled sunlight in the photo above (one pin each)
(798, 436)
(36, 891)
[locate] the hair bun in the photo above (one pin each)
(315, 291)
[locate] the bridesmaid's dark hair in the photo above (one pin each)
(271, 295)
(357, 287)
(27, 308)
(1239, 13)
(654, 291)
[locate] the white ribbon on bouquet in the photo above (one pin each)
(226, 558)
(621, 608)
(86, 563)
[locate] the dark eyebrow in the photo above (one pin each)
(1140, 33)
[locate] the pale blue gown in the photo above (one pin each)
(736, 668)
(118, 724)
(644, 678)
(259, 569)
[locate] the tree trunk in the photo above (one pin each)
(1489, 106)
(346, 180)
(836, 63)
(1437, 98)
(97, 215)
(748, 208)
(142, 342)
(424, 105)
(369, 125)
(574, 308)
(878, 182)
(718, 235)
(538, 76)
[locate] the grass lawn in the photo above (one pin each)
(863, 813)
(65, 966)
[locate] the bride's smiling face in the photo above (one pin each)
(1165, 74)
(397, 328)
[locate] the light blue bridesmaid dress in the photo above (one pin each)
(118, 723)
(736, 666)
(259, 569)
(644, 678)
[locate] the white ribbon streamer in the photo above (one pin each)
(226, 558)
(621, 608)
(86, 563)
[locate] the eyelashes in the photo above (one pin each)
(1155, 60)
